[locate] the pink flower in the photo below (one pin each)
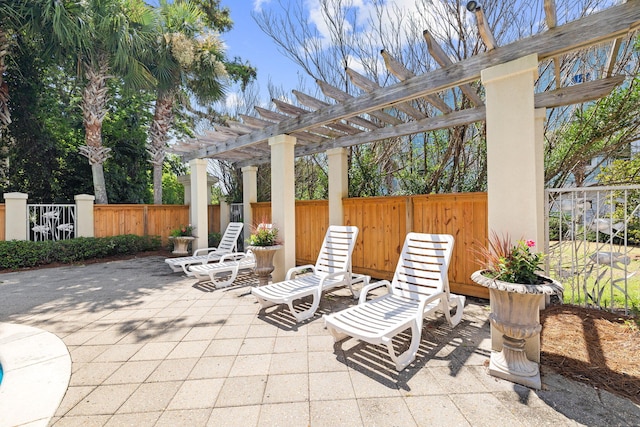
(530, 243)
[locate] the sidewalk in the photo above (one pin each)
(152, 348)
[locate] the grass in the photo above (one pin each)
(589, 283)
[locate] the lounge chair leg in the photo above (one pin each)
(458, 300)
(337, 336)
(305, 314)
(224, 283)
(264, 303)
(403, 360)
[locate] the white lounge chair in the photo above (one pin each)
(419, 286)
(332, 269)
(224, 272)
(227, 245)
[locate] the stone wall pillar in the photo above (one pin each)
(84, 215)
(15, 219)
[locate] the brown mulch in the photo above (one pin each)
(595, 347)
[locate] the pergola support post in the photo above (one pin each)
(198, 214)
(338, 184)
(249, 195)
(515, 161)
(283, 204)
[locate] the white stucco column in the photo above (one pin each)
(514, 169)
(249, 195)
(185, 180)
(225, 215)
(283, 203)
(515, 162)
(198, 214)
(84, 215)
(15, 216)
(338, 183)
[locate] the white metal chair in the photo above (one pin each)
(419, 287)
(332, 269)
(227, 245)
(224, 272)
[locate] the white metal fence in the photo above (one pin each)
(592, 237)
(51, 222)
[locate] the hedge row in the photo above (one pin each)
(16, 254)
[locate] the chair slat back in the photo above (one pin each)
(229, 240)
(423, 265)
(336, 250)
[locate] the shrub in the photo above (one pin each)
(16, 254)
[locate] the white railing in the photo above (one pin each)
(51, 222)
(592, 244)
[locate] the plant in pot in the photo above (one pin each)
(512, 272)
(263, 242)
(181, 238)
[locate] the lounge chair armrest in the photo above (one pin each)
(203, 251)
(233, 256)
(294, 271)
(365, 290)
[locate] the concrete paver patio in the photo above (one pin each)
(152, 348)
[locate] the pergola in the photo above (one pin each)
(514, 116)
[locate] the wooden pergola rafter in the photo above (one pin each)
(321, 125)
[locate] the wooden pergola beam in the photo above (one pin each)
(597, 28)
(369, 85)
(613, 56)
(551, 19)
(341, 96)
(483, 28)
(398, 69)
(443, 60)
(583, 92)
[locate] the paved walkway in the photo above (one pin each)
(152, 348)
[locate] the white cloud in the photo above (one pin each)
(257, 4)
(365, 11)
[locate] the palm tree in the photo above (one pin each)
(187, 63)
(115, 36)
(108, 38)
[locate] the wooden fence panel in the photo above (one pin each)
(161, 219)
(464, 216)
(382, 222)
(261, 213)
(213, 219)
(113, 220)
(312, 221)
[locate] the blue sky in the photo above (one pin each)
(247, 41)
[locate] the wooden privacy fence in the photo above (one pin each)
(384, 222)
(147, 220)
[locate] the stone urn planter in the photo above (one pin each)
(264, 261)
(181, 244)
(515, 314)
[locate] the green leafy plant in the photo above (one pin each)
(183, 230)
(514, 263)
(15, 254)
(264, 235)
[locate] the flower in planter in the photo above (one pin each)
(508, 262)
(183, 230)
(264, 235)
